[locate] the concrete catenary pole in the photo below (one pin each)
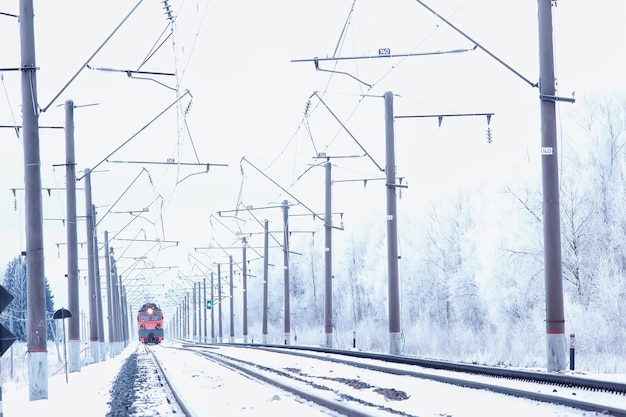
(175, 328)
(198, 311)
(187, 317)
(392, 230)
(200, 306)
(91, 272)
(553, 274)
(117, 329)
(181, 305)
(109, 281)
(194, 332)
(35, 274)
(328, 261)
(204, 309)
(287, 329)
(96, 260)
(232, 302)
(213, 305)
(219, 302)
(245, 291)
(122, 312)
(129, 313)
(183, 328)
(265, 277)
(73, 298)
(126, 327)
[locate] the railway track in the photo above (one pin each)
(358, 385)
(142, 389)
(551, 379)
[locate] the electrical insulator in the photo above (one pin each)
(168, 10)
(489, 135)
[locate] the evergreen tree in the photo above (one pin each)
(15, 316)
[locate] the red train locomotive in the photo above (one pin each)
(150, 323)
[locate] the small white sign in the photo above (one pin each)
(546, 150)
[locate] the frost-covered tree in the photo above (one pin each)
(594, 254)
(592, 192)
(360, 283)
(307, 283)
(15, 316)
(449, 257)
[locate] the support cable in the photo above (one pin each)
(532, 84)
(86, 64)
(282, 188)
(349, 133)
(136, 134)
(249, 210)
(121, 195)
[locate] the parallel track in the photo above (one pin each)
(508, 373)
(169, 385)
(493, 386)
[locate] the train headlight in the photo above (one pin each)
(150, 310)
(158, 326)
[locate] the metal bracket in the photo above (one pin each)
(19, 69)
(556, 98)
(396, 185)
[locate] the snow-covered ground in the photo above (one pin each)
(85, 393)
(211, 389)
(425, 397)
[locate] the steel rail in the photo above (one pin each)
(180, 400)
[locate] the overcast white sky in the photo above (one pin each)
(249, 100)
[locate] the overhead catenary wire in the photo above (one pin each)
(135, 134)
(180, 112)
(43, 110)
(249, 210)
(238, 236)
(13, 119)
(308, 109)
(121, 196)
(405, 56)
(156, 46)
(317, 60)
(311, 108)
(282, 188)
(70, 86)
